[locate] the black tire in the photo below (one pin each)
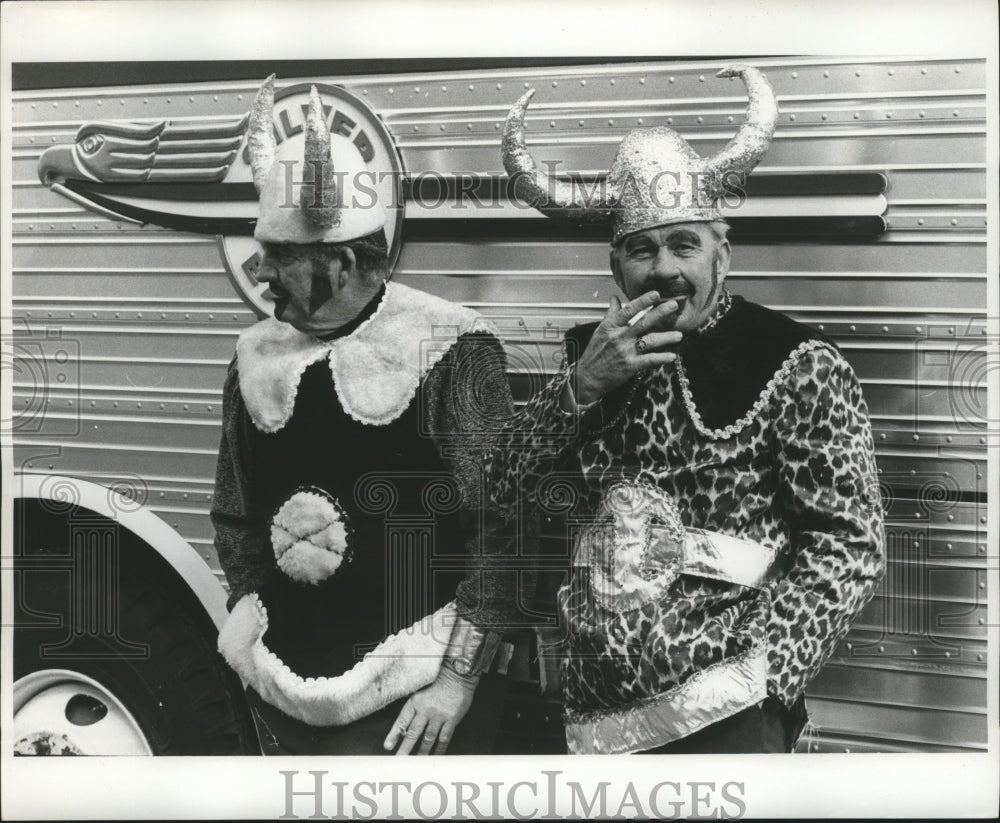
(161, 662)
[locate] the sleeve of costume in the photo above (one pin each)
(828, 491)
(242, 540)
(466, 400)
(533, 442)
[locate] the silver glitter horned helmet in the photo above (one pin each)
(308, 191)
(656, 177)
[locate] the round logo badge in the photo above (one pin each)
(346, 115)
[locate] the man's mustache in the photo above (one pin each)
(670, 290)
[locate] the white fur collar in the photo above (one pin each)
(376, 369)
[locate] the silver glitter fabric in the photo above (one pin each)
(656, 177)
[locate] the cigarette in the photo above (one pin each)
(642, 314)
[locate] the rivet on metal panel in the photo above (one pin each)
(240, 96)
(100, 102)
(187, 316)
(921, 114)
(857, 73)
(392, 90)
(468, 126)
(612, 81)
(611, 122)
(954, 221)
(121, 102)
(72, 314)
(923, 71)
(138, 405)
(979, 657)
(857, 116)
(642, 81)
(951, 518)
(52, 226)
(163, 315)
(364, 92)
(949, 438)
(28, 314)
(185, 496)
(702, 119)
(892, 72)
(882, 436)
(32, 105)
(161, 405)
(639, 122)
(982, 548)
(670, 120)
(443, 126)
(701, 78)
(31, 465)
(919, 329)
(139, 315)
(552, 124)
(117, 316)
(981, 621)
(822, 117)
(916, 437)
(826, 74)
(881, 649)
(92, 404)
(982, 441)
(55, 105)
(236, 317)
(670, 79)
(174, 525)
(496, 125)
(949, 546)
(583, 82)
(982, 584)
(31, 139)
(982, 519)
(499, 86)
(913, 652)
(885, 329)
(416, 128)
(947, 654)
(854, 328)
(958, 69)
(955, 113)
(115, 404)
(50, 465)
(185, 407)
(209, 408)
(555, 84)
(821, 326)
(920, 221)
(795, 75)
(888, 115)
(162, 495)
(579, 122)
(416, 90)
(31, 227)
(444, 88)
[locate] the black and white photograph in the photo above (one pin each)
(499, 392)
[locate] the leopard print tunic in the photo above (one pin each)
(790, 468)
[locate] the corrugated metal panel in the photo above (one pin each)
(128, 329)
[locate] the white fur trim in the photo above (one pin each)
(309, 537)
(376, 369)
(307, 563)
(400, 665)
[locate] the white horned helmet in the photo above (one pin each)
(308, 195)
(656, 177)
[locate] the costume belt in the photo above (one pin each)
(632, 554)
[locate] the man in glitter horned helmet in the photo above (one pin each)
(724, 462)
(365, 598)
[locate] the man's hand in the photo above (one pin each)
(432, 714)
(618, 350)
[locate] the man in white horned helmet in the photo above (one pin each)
(366, 590)
(724, 459)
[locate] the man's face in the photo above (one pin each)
(298, 281)
(683, 261)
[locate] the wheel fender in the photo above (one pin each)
(143, 523)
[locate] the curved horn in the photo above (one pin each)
(319, 195)
(556, 198)
(746, 148)
(260, 135)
